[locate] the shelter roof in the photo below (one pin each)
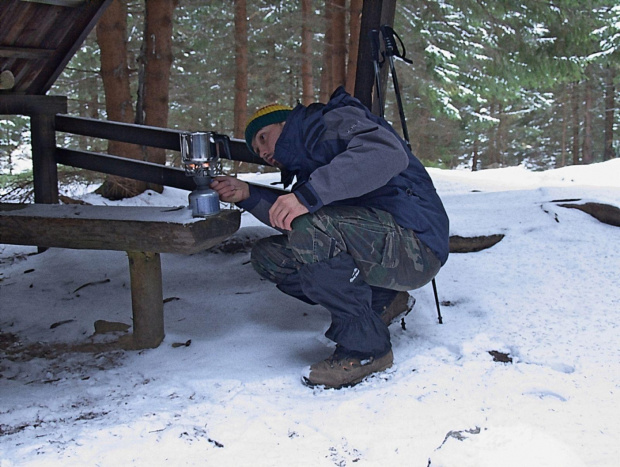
(39, 37)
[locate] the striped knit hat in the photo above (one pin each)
(267, 115)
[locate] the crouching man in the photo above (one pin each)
(361, 226)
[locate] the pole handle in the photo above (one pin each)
(391, 48)
(374, 44)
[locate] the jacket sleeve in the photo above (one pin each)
(373, 156)
(259, 203)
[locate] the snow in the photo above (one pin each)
(228, 391)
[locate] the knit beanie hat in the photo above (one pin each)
(267, 115)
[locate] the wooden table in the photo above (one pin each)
(143, 232)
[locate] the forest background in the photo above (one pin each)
(491, 84)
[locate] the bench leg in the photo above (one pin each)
(146, 299)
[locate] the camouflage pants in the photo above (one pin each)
(387, 255)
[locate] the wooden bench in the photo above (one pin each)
(143, 232)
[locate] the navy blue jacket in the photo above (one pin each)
(342, 154)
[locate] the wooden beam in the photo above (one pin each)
(117, 131)
(64, 3)
(123, 167)
(130, 168)
(28, 53)
(141, 134)
(11, 104)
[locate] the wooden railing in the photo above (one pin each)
(136, 134)
(48, 117)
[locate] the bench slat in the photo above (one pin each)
(124, 228)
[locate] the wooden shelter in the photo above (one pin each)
(37, 40)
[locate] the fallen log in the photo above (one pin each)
(460, 244)
(605, 213)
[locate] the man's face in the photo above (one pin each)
(264, 142)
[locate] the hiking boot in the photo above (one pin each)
(400, 307)
(336, 371)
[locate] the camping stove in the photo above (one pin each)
(200, 152)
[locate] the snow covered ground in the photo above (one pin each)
(224, 387)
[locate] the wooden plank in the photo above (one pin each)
(124, 228)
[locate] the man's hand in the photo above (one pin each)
(230, 189)
(285, 210)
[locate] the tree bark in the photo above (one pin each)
(493, 144)
(564, 102)
(610, 104)
(241, 73)
(575, 110)
(476, 158)
(241, 64)
(307, 82)
(157, 63)
(587, 156)
(339, 55)
(326, 71)
(355, 24)
(111, 35)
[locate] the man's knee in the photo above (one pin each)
(270, 259)
(313, 238)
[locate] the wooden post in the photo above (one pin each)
(42, 111)
(44, 169)
(375, 13)
(147, 300)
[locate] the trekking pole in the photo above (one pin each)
(437, 301)
(374, 45)
(391, 50)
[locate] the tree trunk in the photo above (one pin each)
(241, 64)
(474, 162)
(241, 72)
(326, 71)
(501, 137)
(111, 35)
(610, 104)
(587, 156)
(564, 102)
(575, 109)
(307, 83)
(355, 23)
(339, 32)
(493, 145)
(157, 63)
